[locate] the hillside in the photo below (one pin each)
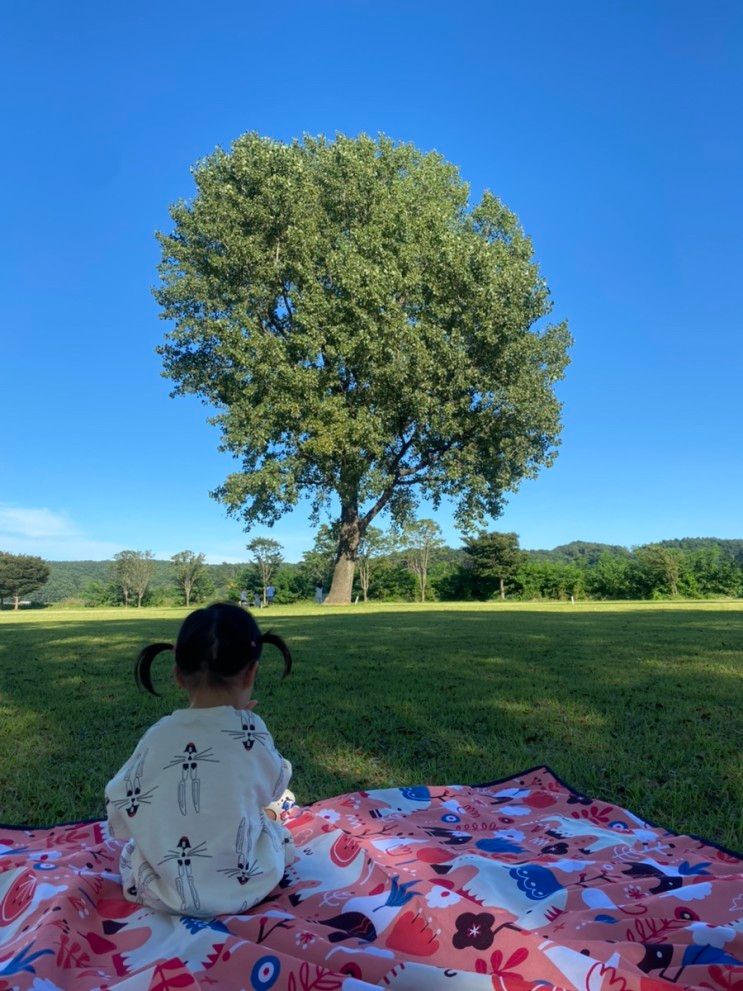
(71, 579)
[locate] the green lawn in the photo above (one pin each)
(635, 703)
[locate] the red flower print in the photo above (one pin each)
(412, 934)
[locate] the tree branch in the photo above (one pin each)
(396, 471)
(287, 304)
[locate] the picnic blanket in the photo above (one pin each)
(518, 884)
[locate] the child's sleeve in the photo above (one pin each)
(119, 792)
(273, 771)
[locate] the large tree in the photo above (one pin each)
(366, 335)
(188, 569)
(267, 558)
(132, 573)
(496, 557)
(663, 567)
(421, 539)
(21, 574)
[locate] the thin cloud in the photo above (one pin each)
(35, 524)
(49, 534)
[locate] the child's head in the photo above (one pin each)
(215, 647)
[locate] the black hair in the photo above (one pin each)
(219, 642)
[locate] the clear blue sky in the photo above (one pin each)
(613, 130)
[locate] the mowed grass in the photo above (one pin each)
(637, 704)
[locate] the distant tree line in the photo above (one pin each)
(415, 565)
(412, 564)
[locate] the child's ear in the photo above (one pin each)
(178, 676)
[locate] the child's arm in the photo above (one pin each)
(119, 792)
(273, 771)
(283, 780)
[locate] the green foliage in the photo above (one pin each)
(204, 589)
(392, 580)
(708, 569)
(362, 329)
(549, 580)
(732, 549)
(711, 571)
(582, 552)
(267, 558)
(101, 593)
(223, 577)
(317, 564)
(132, 573)
(287, 579)
(21, 574)
(188, 569)
(420, 540)
(661, 568)
(614, 577)
(373, 545)
(495, 558)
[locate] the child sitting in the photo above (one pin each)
(200, 800)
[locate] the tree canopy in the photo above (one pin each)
(188, 571)
(495, 557)
(21, 574)
(366, 335)
(421, 539)
(267, 558)
(132, 573)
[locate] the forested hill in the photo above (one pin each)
(72, 580)
(586, 552)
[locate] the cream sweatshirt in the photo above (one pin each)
(190, 804)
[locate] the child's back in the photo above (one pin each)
(190, 801)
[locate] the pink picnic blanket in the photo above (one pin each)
(519, 884)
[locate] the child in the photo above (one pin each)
(200, 799)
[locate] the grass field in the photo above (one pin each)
(635, 703)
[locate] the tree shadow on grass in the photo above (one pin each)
(637, 707)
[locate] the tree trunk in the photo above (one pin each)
(364, 578)
(188, 597)
(16, 600)
(345, 562)
(502, 589)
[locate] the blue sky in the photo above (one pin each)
(611, 129)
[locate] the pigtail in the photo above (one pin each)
(279, 642)
(143, 664)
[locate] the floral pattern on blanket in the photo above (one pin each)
(522, 884)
